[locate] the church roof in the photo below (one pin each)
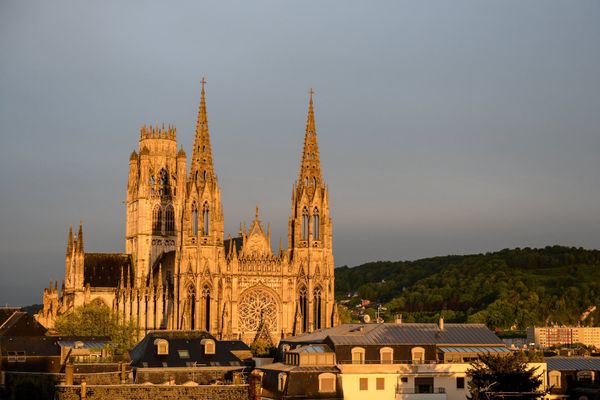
(104, 269)
(237, 241)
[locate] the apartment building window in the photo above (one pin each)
(327, 383)
(364, 383)
(380, 384)
(281, 381)
(554, 378)
(418, 355)
(460, 382)
(358, 355)
(386, 355)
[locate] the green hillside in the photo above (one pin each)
(510, 288)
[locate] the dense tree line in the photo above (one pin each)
(507, 289)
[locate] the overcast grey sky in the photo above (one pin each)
(444, 126)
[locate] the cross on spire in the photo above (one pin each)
(203, 81)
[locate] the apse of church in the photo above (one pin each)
(180, 272)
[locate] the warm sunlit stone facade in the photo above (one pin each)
(180, 272)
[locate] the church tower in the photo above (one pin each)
(200, 256)
(310, 238)
(155, 192)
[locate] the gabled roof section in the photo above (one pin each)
(20, 323)
(104, 269)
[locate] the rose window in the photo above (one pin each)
(252, 306)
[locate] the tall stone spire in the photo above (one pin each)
(202, 164)
(80, 239)
(70, 241)
(310, 166)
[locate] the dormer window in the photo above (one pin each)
(418, 355)
(386, 355)
(209, 346)
(162, 347)
(358, 355)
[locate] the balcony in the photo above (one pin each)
(379, 361)
(420, 393)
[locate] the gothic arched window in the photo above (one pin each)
(305, 223)
(316, 224)
(157, 220)
(194, 219)
(170, 220)
(206, 301)
(317, 308)
(206, 218)
(164, 182)
(303, 301)
(191, 307)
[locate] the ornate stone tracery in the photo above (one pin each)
(256, 304)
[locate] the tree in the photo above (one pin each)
(490, 375)
(98, 320)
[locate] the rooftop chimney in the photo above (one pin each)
(398, 319)
(441, 323)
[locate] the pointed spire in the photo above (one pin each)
(310, 166)
(70, 241)
(202, 165)
(80, 238)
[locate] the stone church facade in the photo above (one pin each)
(180, 272)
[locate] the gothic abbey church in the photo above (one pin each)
(179, 271)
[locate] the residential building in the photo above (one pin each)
(402, 361)
(189, 357)
(549, 336)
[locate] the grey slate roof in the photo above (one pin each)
(406, 333)
(228, 353)
(573, 363)
(20, 323)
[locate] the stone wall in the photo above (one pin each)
(151, 392)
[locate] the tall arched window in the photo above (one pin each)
(317, 308)
(164, 182)
(157, 220)
(314, 181)
(170, 220)
(194, 218)
(206, 301)
(305, 223)
(316, 224)
(206, 218)
(191, 307)
(303, 301)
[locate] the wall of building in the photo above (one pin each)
(151, 392)
(444, 376)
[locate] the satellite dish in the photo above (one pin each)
(366, 318)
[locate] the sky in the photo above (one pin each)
(445, 127)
